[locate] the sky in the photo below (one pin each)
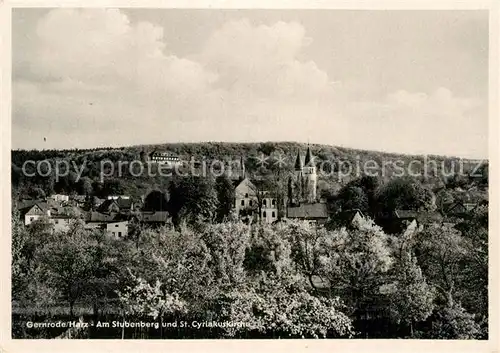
(411, 82)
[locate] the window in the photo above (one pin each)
(273, 214)
(242, 202)
(264, 202)
(113, 233)
(32, 218)
(274, 202)
(119, 234)
(116, 225)
(264, 214)
(56, 221)
(246, 195)
(251, 202)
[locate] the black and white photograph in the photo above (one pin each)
(249, 173)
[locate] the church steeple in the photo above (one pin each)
(242, 166)
(298, 162)
(309, 157)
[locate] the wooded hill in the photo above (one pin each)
(331, 161)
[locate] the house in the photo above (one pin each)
(117, 229)
(154, 218)
(459, 209)
(35, 212)
(123, 205)
(60, 197)
(116, 197)
(61, 222)
(81, 200)
(114, 224)
(168, 158)
(347, 218)
(398, 221)
(251, 198)
(312, 212)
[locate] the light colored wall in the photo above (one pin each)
(61, 224)
(28, 219)
(115, 228)
(60, 197)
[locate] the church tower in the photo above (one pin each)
(309, 177)
(302, 186)
(242, 169)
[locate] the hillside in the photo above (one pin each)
(336, 165)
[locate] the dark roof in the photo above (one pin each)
(26, 204)
(308, 211)
(298, 162)
(121, 203)
(98, 200)
(124, 203)
(103, 217)
(347, 216)
(152, 217)
(460, 207)
(429, 217)
(164, 154)
(236, 182)
(309, 157)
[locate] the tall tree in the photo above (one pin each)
(405, 193)
(411, 297)
(192, 199)
(225, 196)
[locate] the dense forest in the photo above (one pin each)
(329, 159)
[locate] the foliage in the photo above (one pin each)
(406, 194)
(453, 322)
(356, 263)
(280, 304)
(411, 298)
(353, 197)
(225, 197)
(192, 199)
(156, 201)
(143, 298)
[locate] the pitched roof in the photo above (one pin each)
(152, 217)
(164, 154)
(457, 207)
(309, 157)
(124, 203)
(348, 216)
(298, 162)
(308, 211)
(429, 217)
(26, 204)
(469, 206)
(121, 203)
(102, 217)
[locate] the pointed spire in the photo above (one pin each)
(298, 162)
(309, 157)
(242, 165)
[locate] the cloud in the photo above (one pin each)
(94, 78)
(416, 122)
(263, 61)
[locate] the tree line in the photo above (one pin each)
(290, 279)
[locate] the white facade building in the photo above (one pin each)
(117, 229)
